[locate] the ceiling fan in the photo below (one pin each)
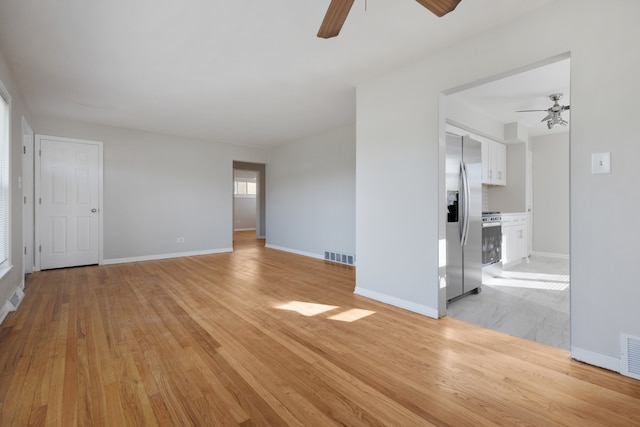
(553, 117)
(339, 9)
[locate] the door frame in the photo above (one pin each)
(256, 210)
(27, 183)
(38, 187)
(261, 196)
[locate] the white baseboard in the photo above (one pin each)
(8, 306)
(294, 251)
(550, 255)
(164, 256)
(596, 359)
(244, 229)
(397, 302)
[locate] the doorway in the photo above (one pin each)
(530, 298)
(245, 184)
(247, 172)
(68, 213)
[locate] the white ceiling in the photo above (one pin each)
(242, 72)
(528, 90)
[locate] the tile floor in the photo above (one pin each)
(529, 300)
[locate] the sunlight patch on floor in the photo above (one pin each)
(312, 309)
(518, 279)
(352, 315)
(306, 308)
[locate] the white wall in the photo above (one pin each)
(551, 194)
(244, 213)
(473, 119)
(400, 137)
(311, 194)
(158, 188)
(511, 197)
(11, 281)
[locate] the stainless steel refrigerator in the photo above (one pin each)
(464, 216)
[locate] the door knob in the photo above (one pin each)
(94, 210)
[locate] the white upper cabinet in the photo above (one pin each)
(494, 157)
(494, 163)
(486, 162)
(500, 164)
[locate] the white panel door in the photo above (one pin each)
(69, 202)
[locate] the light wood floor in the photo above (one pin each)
(267, 338)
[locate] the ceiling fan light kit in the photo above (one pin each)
(555, 121)
(339, 10)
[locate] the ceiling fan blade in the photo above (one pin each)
(334, 18)
(549, 117)
(439, 7)
(529, 111)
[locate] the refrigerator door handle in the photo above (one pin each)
(465, 204)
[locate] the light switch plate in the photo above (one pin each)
(600, 163)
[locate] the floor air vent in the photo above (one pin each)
(630, 349)
(347, 259)
(15, 300)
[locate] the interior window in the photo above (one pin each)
(244, 187)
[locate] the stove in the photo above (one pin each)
(491, 245)
(491, 217)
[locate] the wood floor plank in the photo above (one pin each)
(260, 337)
(55, 411)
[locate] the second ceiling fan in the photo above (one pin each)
(339, 9)
(554, 113)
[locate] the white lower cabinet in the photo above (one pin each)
(515, 237)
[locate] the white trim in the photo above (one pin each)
(294, 251)
(8, 262)
(7, 307)
(397, 302)
(164, 256)
(5, 268)
(28, 221)
(550, 255)
(596, 359)
(244, 229)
